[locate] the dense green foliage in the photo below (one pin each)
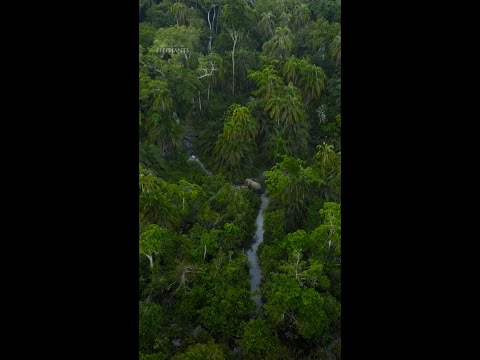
(253, 90)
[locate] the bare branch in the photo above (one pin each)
(151, 67)
(212, 69)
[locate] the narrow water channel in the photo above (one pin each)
(255, 272)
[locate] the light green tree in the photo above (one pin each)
(258, 341)
(235, 146)
(208, 351)
(286, 107)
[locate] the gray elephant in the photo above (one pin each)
(252, 184)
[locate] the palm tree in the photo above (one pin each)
(286, 183)
(234, 156)
(312, 82)
(154, 94)
(143, 6)
(283, 6)
(336, 49)
(267, 22)
(286, 107)
(148, 182)
(246, 61)
(301, 15)
(308, 77)
(281, 43)
(244, 122)
(147, 3)
(297, 137)
(156, 208)
(327, 163)
(162, 97)
(235, 146)
(268, 82)
(276, 146)
(179, 12)
(208, 136)
(164, 131)
(284, 19)
(326, 155)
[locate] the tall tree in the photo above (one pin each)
(286, 107)
(310, 79)
(320, 38)
(236, 18)
(179, 12)
(287, 184)
(235, 146)
(327, 167)
(336, 49)
(301, 15)
(284, 19)
(268, 82)
(267, 23)
(280, 44)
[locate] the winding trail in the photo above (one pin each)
(197, 160)
(188, 145)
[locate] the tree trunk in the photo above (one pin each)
(233, 63)
(208, 18)
(150, 259)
